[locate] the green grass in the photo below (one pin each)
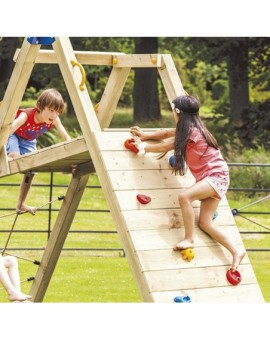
(80, 276)
(98, 276)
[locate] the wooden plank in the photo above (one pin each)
(111, 95)
(4, 165)
(90, 127)
(16, 88)
(167, 259)
(138, 60)
(55, 154)
(196, 278)
(160, 199)
(58, 237)
(83, 57)
(125, 160)
(170, 78)
(167, 238)
(170, 218)
(229, 294)
(72, 76)
(148, 179)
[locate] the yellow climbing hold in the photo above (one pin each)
(115, 60)
(188, 254)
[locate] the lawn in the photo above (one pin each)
(96, 275)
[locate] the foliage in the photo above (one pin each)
(255, 130)
(202, 63)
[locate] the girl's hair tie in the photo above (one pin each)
(175, 108)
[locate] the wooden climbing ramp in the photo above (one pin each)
(147, 232)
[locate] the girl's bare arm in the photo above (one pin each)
(155, 135)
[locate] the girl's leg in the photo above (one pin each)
(198, 191)
(24, 189)
(10, 278)
(208, 207)
(11, 264)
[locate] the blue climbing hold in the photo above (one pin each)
(41, 40)
(171, 160)
(182, 299)
(215, 215)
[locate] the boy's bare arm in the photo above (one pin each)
(18, 122)
(61, 130)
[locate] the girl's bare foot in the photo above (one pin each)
(184, 245)
(26, 208)
(18, 296)
(237, 258)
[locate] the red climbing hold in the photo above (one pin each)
(234, 277)
(143, 199)
(129, 144)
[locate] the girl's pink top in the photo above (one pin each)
(202, 159)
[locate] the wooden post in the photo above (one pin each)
(111, 95)
(58, 236)
(170, 78)
(16, 88)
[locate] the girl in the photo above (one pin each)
(195, 147)
(10, 279)
(28, 125)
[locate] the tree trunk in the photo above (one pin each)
(238, 81)
(8, 47)
(145, 92)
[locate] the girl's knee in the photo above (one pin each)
(204, 224)
(183, 198)
(10, 261)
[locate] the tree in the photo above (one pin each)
(145, 92)
(8, 47)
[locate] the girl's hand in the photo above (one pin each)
(136, 145)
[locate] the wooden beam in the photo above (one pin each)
(111, 95)
(72, 76)
(83, 57)
(16, 88)
(58, 236)
(170, 78)
(138, 60)
(116, 59)
(4, 166)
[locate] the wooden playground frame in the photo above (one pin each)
(147, 233)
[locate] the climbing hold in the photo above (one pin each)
(188, 254)
(143, 199)
(171, 160)
(129, 144)
(41, 40)
(215, 215)
(182, 299)
(234, 277)
(114, 60)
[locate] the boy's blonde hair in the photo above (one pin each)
(52, 99)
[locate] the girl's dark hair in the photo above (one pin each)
(187, 107)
